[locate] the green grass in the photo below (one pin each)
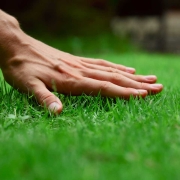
(100, 44)
(96, 138)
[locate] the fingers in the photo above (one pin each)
(93, 87)
(139, 78)
(123, 81)
(104, 63)
(45, 97)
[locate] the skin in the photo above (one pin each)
(34, 67)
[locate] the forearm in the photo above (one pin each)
(10, 34)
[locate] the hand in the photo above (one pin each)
(37, 68)
(34, 67)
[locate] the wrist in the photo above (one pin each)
(10, 34)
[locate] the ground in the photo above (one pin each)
(96, 138)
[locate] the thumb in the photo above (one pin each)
(46, 98)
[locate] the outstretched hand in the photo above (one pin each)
(34, 67)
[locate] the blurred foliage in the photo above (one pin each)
(89, 45)
(79, 17)
(63, 17)
(78, 26)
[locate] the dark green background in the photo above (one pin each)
(78, 17)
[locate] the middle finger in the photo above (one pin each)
(139, 78)
(122, 80)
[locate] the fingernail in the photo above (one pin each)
(156, 86)
(130, 70)
(53, 107)
(150, 78)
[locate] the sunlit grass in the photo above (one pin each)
(95, 137)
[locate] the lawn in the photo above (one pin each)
(96, 138)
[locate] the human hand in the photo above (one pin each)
(34, 67)
(38, 68)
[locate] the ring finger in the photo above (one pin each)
(122, 80)
(139, 78)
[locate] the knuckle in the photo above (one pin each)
(59, 66)
(138, 78)
(141, 85)
(43, 97)
(105, 85)
(30, 84)
(70, 73)
(101, 61)
(84, 72)
(110, 69)
(115, 76)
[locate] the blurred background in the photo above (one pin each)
(97, 26)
